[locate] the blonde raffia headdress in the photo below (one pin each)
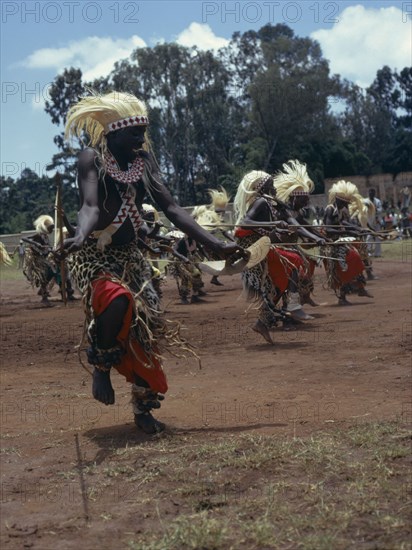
(294, 180)
(42, 223)
(4, 256)
(219, 199)
(345, 191)
(199, 211)
(366, 212)
(97, 115)
(209, 219)
(247, 191)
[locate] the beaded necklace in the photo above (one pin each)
(132, 175)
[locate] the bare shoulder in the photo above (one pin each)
(329, 214)
(88, 166)
(260, 203)
(87, 157)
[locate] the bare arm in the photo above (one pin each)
(88, 215)
(228, 236)
(40, 246)
(259, 216)
(354, 229)
(181, 219)
(303, 232)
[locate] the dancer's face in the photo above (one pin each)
(127, 141)
(341, 204)
(268, 188)
(300, 201)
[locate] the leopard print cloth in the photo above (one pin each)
(126, 266)
(259, 287)
(187, 276)
(336, 255)
(37, 268)
(364, 254)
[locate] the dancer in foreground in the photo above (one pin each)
(126, 327)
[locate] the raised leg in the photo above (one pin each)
(107, 352)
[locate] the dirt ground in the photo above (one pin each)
(349, 365)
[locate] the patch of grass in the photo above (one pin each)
(192, 532)
(10, 451)
(9, 436)
(396, 250)
(336, 489)
(11, 273)
(115, 470)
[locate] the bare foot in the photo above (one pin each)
(148, 424)
(102, 388)
(364, 292)
(215, 281)
(264, 331)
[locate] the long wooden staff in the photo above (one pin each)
(59, 240)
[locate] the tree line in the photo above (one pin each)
(267, 97)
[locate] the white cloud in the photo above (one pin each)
(364, 40)
(94, 55)
(202, 36)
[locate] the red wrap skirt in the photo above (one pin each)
(355, 267)
(135, 358)
(281, 262)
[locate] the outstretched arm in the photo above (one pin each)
(181, 219)
(258, 215)
(303, 232)
(36, 243)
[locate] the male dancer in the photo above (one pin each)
(125, 323)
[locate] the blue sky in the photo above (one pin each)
(40, 38)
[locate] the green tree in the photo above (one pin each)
(286, 92)
(378, 121)
(24, 199)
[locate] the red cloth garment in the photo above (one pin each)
(133, 361)
(355, 267)
(281, 263)
(241, 233)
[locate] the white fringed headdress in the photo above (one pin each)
(247, 191)
(346, 191)
(42, 223)
(294, 180)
